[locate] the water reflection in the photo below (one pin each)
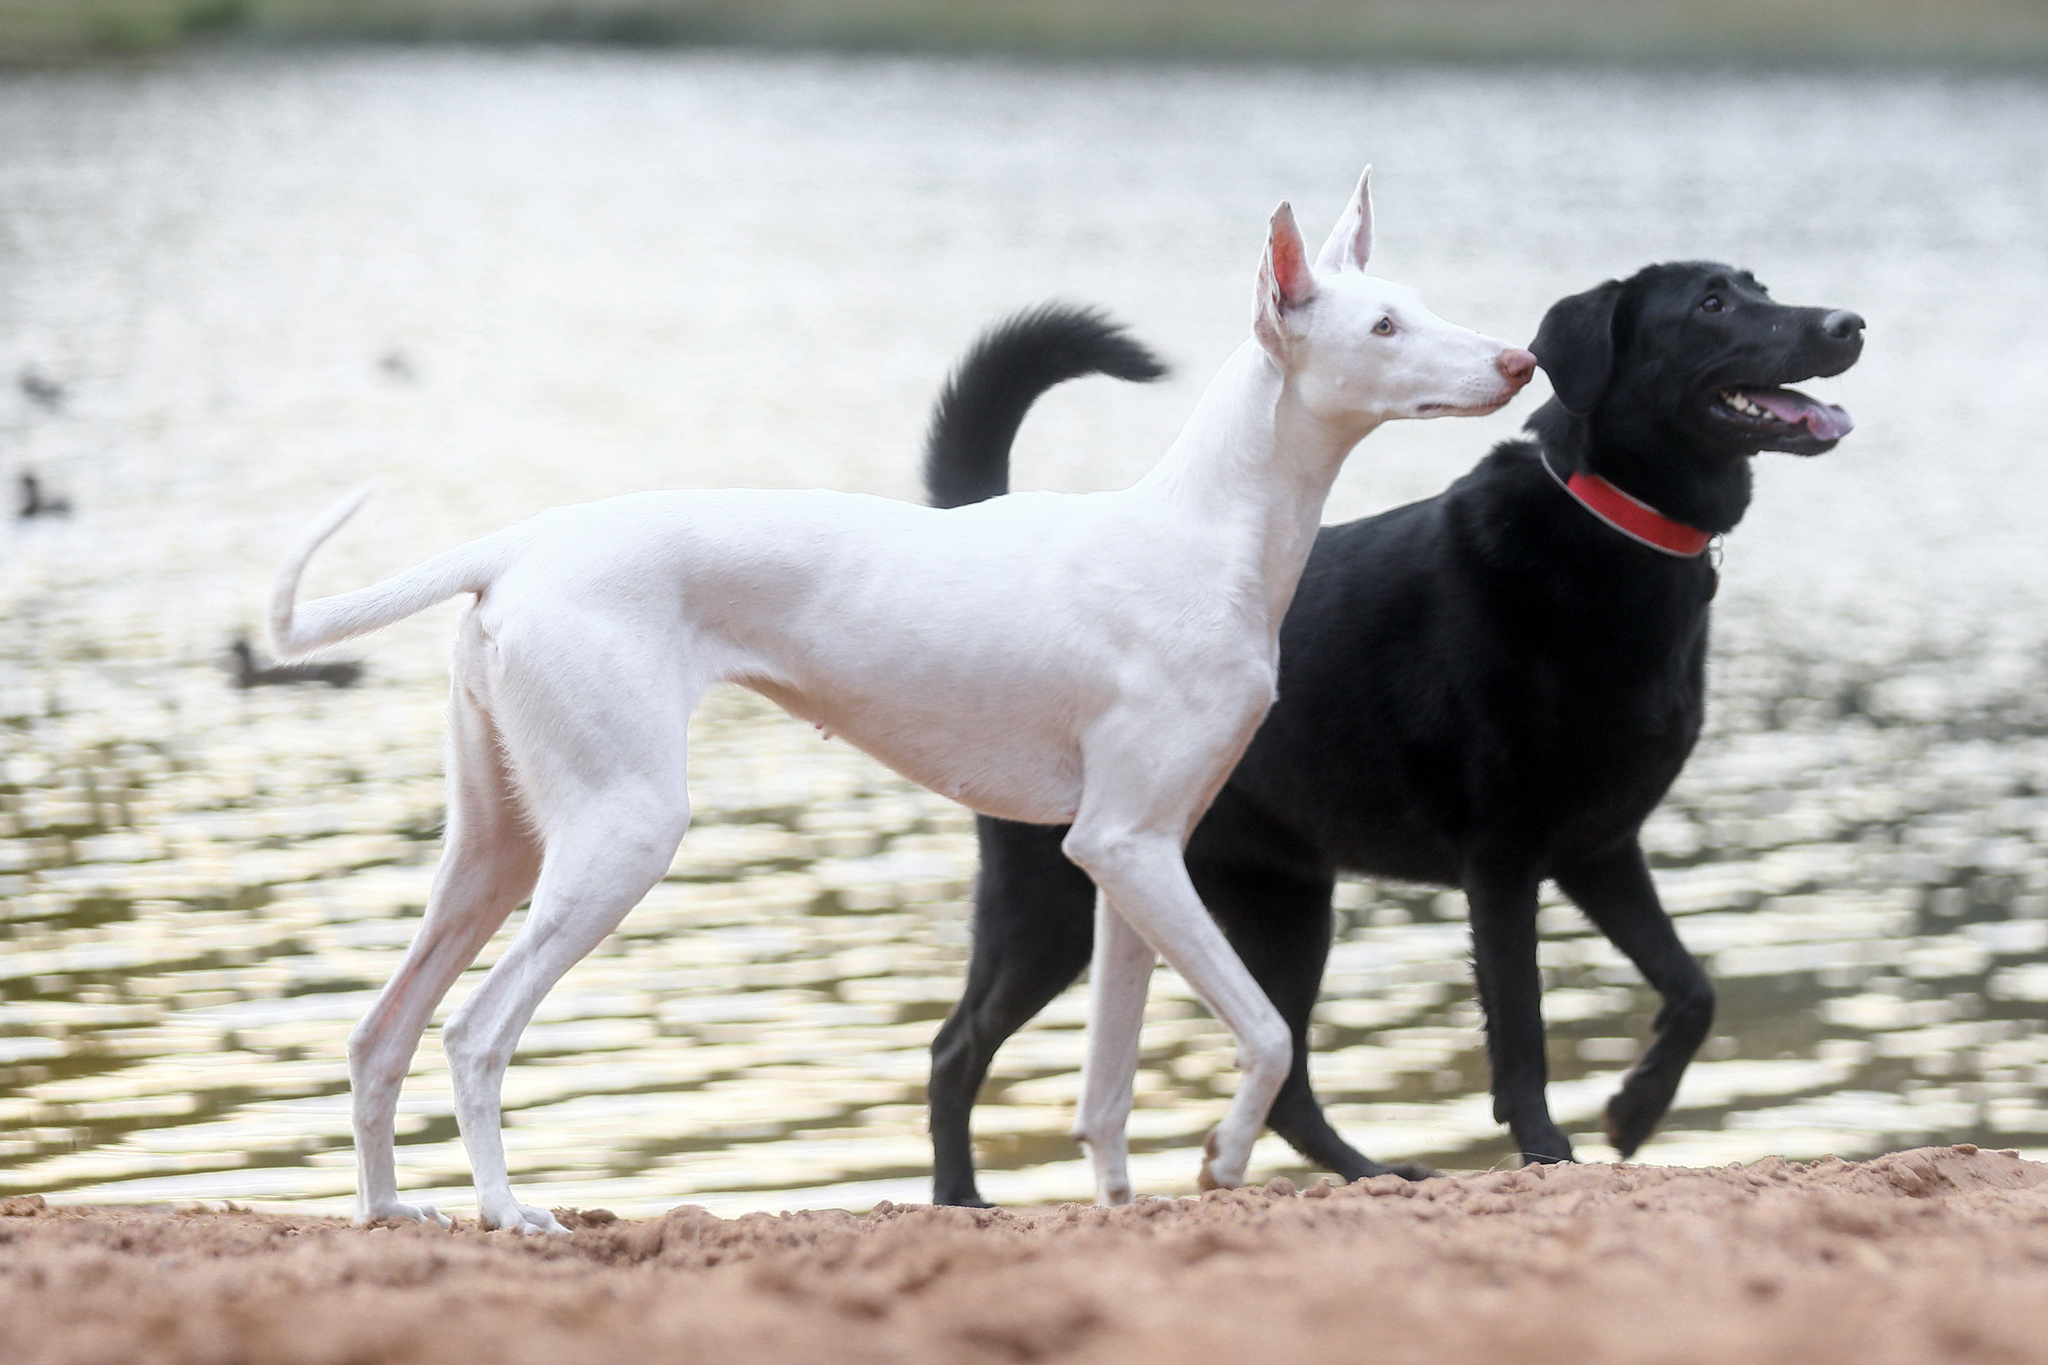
(200, 888)
(185, 956)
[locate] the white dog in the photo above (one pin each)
(1100, 659)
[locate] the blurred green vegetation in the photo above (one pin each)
(2001, 31)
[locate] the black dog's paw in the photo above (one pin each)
(1629, 1118)
(1364, 1169)
(1547, 1149)
(1407, 1170)
(1545, 1159)
(1412, 1170)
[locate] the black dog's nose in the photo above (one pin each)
(1842, 324)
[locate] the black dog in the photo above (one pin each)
(1482, 690)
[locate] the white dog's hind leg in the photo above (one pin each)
(1146, 879)
(600, 860)
(488, 864)
(1118, 979)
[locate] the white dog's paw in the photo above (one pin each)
(397, 1212)
(1112, 1176)
(519, 1218)
(1216, 1172)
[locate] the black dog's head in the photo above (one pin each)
(1697, 353)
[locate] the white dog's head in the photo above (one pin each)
(1358, 347)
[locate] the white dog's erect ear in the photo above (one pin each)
(1350, 243)
(1285, 280)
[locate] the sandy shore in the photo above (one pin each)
(1934, 1254)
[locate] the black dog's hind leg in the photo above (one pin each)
(1617, 894)
(1034, 929)
(1502, 896)
(1280, 924)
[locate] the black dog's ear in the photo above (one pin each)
(1575, 346)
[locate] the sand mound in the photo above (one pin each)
(1935, 1254)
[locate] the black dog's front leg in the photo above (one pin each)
(1502, 897)
(1617, 894)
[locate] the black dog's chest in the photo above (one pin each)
(1478, 668)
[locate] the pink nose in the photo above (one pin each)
(1516, 364)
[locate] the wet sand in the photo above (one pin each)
(1931, 1254)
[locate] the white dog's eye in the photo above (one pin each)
(1384, 327)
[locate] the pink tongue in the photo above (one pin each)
(1824, 420)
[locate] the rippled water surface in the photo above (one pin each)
(498, 281)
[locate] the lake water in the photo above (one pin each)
(495, 281)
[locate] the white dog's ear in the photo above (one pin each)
(1285, 280)
(1350, 244)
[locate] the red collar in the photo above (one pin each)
(1632, 517)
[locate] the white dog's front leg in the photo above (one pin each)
(1118, 979)
(1146, 879)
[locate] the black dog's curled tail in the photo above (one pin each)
(967, 449)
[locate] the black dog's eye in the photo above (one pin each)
(1384, 327)
(1711, 304)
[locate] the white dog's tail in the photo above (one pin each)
(296, 630)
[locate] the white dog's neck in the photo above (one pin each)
(1253, 468)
